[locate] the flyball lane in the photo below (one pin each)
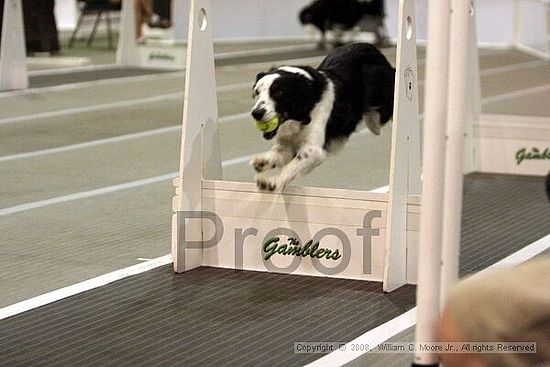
(213, 317)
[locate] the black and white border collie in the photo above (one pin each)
(341, 16)
(318, 109)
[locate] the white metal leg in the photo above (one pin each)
(435, 114)
(456, 122)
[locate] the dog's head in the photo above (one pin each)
(288, 93)
(309, 16)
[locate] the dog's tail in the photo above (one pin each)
(373, 7)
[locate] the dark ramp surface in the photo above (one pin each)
(217, 317)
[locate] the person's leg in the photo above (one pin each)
(141, 12)
(147, 8)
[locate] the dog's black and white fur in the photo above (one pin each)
(318, 109)
(341, 16)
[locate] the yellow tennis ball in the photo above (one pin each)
(268, 126)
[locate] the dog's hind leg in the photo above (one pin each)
(379, 83)
(372, 120)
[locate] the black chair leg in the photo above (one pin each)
(94, 29)
(73, 36)
(109, 33)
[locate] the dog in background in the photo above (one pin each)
(318, 109)
(341, 16)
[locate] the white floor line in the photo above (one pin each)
(238, 160)
(71, 290)
(92, 143)
(515, 67)
(264, 51)
(104, 82)
(408, 319)
(86, 194)
(317, 59)
(234, 87)
(521, 256)
(92, 83)
(381, 189)
(517, 93)
(267, 64)
(115, 139)
(94, 108)
(107, 190)
(58, 62)
(72, 70)
(113, 105)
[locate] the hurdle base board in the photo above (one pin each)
(249, 215)
(159, 56)
(499, 140)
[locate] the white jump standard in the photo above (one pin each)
(304, 230)
(13, 67)
(149, 55)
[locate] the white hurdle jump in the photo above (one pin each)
(322, 232)
(531, 27)
(13, 68)
(504, 143)
(149, 55)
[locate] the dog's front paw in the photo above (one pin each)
(261, 163)
(266, 183)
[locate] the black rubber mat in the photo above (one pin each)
(206, 317)
(216, 317)
(39, 81)
(502, 214)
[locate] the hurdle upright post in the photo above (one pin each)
(127, 52)
(435, 116)
(200, 146)
(13, 67)
(473, 95)
(456, 121)
(405, 151)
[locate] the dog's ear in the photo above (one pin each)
(260, 76)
